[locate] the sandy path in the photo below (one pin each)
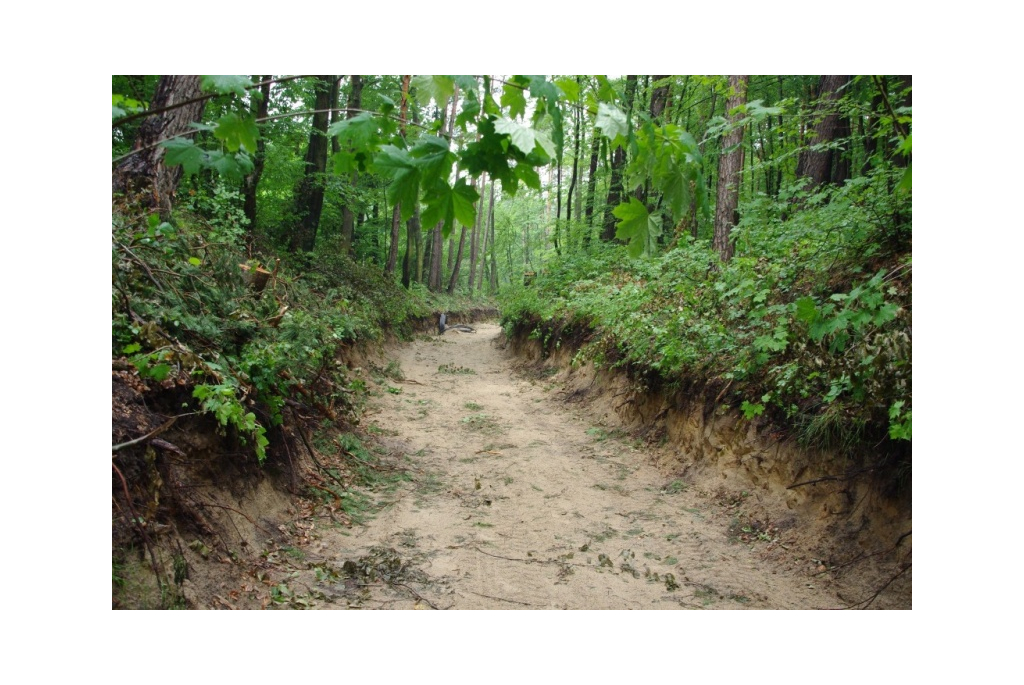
(517, 501)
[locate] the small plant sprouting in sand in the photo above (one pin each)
(455, 370)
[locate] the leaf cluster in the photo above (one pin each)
(812, 317)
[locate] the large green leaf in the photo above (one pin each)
(638, 226)
(237, 132)
(359, 131)
(405, 185)
(223, 85)
(569, 87)
(184, 152)
(448, 204)
(232, 167)
(523, 137)
(612, 122)
(513, 96)
(438, 88)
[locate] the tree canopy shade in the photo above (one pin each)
(662, 147)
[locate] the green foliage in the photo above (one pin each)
(637, 227)
(792, 320)
(185, 315)
(223, 402)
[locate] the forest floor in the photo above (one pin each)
(517, 501)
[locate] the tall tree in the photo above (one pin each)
(309, 199)
(179, 101)
(260, 107)
(396, 218)
(588, 214)
(617, 167)
(819, 166)
(575, 170)
(355, 102)
(730, 168)
(494, 259)
(437, 238)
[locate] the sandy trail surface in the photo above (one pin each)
(519, 501)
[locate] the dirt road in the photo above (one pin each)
(519, 502)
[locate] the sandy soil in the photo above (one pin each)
(519, 502)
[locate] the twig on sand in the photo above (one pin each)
(867, 602)
(413, 593)
(498, 556)
(500, 599)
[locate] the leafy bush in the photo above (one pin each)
(812, 318)
(186, 311)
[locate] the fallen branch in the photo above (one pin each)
(135, 521)
(867, 602)
(849, 476)
(242, 514)
(414, 594)
(500, 599)
(136, 441)
(312, 453)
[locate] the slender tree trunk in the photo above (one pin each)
(355, 102)
(730, 168)
(259, 108)
(588, 213)
(618, 165)
(396, 218)
(474, 236)
(573, 178)
(437, 242)
(309, 202)
(494, 246)
(484, 245)
(144, 173)
(453, 280)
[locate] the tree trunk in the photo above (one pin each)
(474, 239)
(588, 214)
(730, 168)
(144, 172)
(355, 101)
(572, 180)
(659, 99)
(260, 108)
(396, 218)
(819, 165)
(494, 257)
(618, 165)
(309, 201)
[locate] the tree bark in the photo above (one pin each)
(260, 108)
(474, 239)
(659, 98)
(144, 173)
(355, 101)
(819, 165)
(588, 213)
(494, 258)
(572, 180)
(618, 165)
(396, 218)
(309, 201)
(730, 168)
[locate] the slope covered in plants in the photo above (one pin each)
(809, 325)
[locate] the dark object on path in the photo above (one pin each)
(441, 327)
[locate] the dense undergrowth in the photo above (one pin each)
(809, 325)
(191, 308)
(206, 335)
